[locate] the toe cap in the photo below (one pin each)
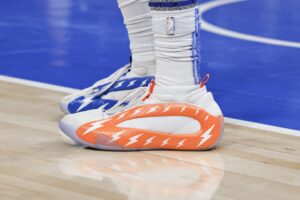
(70, 123)
(64, 106)
(67, 100)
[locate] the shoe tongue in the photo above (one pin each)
(130, 74)
(136, 71)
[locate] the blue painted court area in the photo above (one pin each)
(75, 43)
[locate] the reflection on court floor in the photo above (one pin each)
(149, 176)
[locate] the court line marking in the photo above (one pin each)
(231, 121)
(37, 84)
(233, 34)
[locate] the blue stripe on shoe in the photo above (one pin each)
(172, 4)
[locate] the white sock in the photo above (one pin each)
(137, 18)
(176, 27)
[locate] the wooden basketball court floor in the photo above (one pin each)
(37, 163)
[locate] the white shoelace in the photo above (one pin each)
(133, 99)
(111, 80)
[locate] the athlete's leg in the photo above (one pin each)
(176, 26)
(137, 18)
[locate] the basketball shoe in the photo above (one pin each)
(158, 120)
(106, 92)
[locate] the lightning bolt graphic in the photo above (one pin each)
(95, 126)
(137, 111)
(86, 101)
(149, 140)
(144, 82)
(121, 116)
(133, 139)
(206, 118)
(183, 109)
(165, 142)
(197, 111)
(167, 109)
(102, 107)
(153, 109)
(116, 136)
(119, 84)
(131, 83)
(181, 143)
(205, 136)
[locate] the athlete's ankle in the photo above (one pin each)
(184, 94)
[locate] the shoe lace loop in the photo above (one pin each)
(133, 99)
(94, 91)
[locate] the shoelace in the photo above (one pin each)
(135, 98)
(93, 90)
